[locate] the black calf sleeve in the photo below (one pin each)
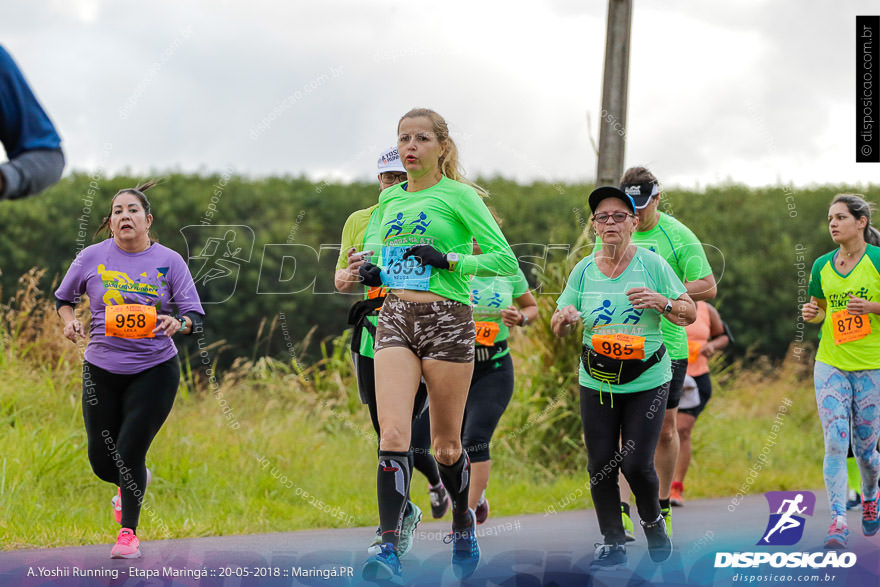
(457, 479)
(392, 483)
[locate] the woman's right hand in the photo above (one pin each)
(563, 319)
(809, 311)
(356, 259)
(74, 329)
(570, 315)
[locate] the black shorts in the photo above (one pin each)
(704, 388)
(676, 384)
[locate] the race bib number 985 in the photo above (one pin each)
(400, 273)
(619, 346)
(130, 321)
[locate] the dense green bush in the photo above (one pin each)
(287, 230)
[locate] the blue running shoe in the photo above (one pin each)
(854, 500)
(383, 565)
(410, 522)
(465, 550)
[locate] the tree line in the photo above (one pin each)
(263, 251)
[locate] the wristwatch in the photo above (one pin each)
(452, 259)
(524, 318)
(668, 307)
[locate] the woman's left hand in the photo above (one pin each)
(511, 316)
(859, 307)
(427, 255)
(643, 298)
(167, 325)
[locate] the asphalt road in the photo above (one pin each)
(532, 550)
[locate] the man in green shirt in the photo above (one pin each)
(675, 242)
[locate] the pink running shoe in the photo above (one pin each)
(127, 545)
(116, 500)
(838, 534)
(870, 519)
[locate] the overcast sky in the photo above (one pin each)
(754, 91)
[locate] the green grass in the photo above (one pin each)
(295, 445)
(302, 452)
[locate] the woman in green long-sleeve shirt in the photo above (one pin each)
(424, 230)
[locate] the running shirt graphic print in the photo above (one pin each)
(397, 227)
(786, 524)
(122, 289)
(605, 314)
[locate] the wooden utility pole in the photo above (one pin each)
(612, 119)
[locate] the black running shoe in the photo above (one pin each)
(659, 544)
(439, 501)
(608, 557)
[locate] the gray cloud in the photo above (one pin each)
(716, 90)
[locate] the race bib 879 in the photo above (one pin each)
(849, 327)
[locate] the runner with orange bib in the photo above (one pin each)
(845, 299)
(500, 305)
(140, 295)
(619, 293)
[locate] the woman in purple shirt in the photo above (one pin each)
(140, 295)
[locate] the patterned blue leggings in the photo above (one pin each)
(848, 400)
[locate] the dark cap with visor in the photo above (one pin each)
(609, 191)
(641, 193)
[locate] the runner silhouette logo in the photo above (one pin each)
(786, 524)
(215, 256)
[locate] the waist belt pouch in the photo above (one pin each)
(617, 371)
(485, 353)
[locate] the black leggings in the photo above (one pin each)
(122, 414)
(623, 437)
(420, 440)
(490, 392)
